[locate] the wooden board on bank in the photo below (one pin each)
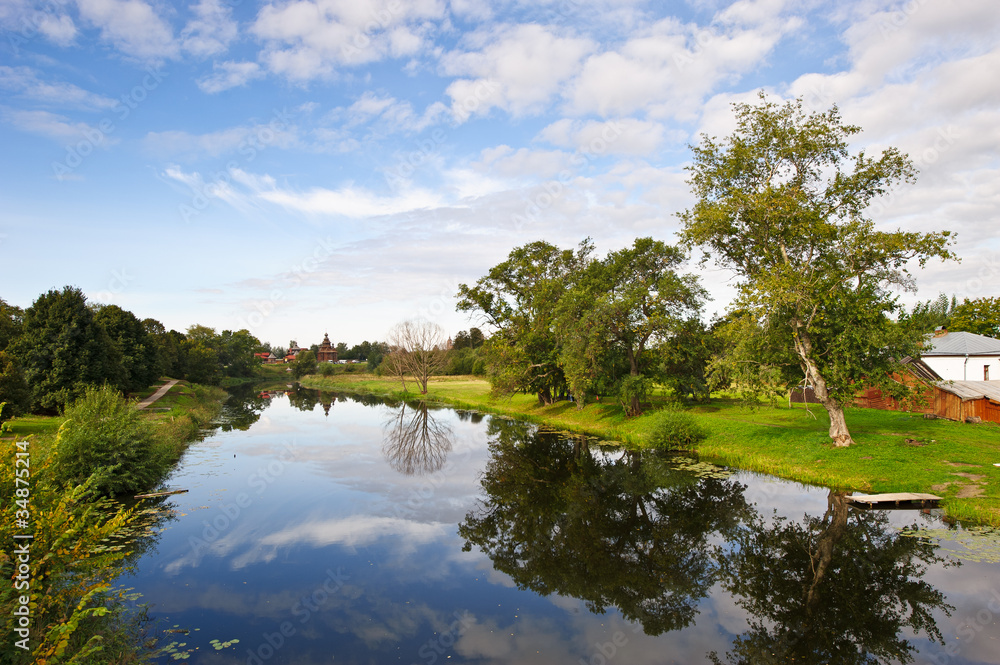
(886, 500)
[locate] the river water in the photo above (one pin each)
(323, 528)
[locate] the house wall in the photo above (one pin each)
(954, 368)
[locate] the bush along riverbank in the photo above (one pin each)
(893, 451)
(70, 530)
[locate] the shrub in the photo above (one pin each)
(105, 435)
(672, 429)
(327, 369)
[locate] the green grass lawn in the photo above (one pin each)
(893, 452)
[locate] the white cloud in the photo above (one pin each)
(519, 69)
(668, 68)
(211, 32)
(57, 127)
(307, 39)
(132, 26)
(25, 81)
(625, 136)
(24, 20)
(245, 139)
(352, 202)
(227, 75)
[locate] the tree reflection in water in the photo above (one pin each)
(833, 589)
(414, 442)
(623, 530)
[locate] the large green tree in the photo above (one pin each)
(781, 202)
(620, 307)
(63, 348)
(518, 300)
(136, 348)
(980, 316)
(14, 391)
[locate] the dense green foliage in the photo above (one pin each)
(980, 316)
(569, 323)
(104, 435)
(673, 429)
(304, 363)
(52, 351)
(63, 348)
(782, 204)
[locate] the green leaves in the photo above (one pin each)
(781, 204)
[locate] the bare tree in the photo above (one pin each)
(418, 444)
(419, 349)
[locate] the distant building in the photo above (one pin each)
(962, 356)
(327, 352)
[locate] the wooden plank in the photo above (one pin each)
(900, 497)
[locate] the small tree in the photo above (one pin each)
(106, 436)
(980, 316)
(418, 347)
(304, 363)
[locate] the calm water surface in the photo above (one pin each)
(331, 529)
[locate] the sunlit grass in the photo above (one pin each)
(893, 452)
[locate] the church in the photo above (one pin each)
(327, 353)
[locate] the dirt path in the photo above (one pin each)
(158, 394)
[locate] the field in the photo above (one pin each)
(894, 452)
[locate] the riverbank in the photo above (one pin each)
(77, 546)
(894, 452)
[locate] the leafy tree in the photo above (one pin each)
(136, 348)
(304, 363)
(622, 305)
(927, 316)
(106, 436)
(236, 353)
(518, 299)
(201, 361)
(781, 202)
(14, 390)
(685, 356)
(63, 349)
(980, 316)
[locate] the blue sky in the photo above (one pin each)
(306, 166)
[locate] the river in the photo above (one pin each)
(323, 528)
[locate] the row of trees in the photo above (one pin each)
(568, 322)
(51, 351)
(977, 315)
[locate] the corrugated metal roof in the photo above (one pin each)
(972, 389)
(960, 344)
(920, 369)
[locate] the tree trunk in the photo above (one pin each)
(836, 525)
(838, 425)
(544, 397)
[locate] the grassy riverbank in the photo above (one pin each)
(78, 539)
(894, 452)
